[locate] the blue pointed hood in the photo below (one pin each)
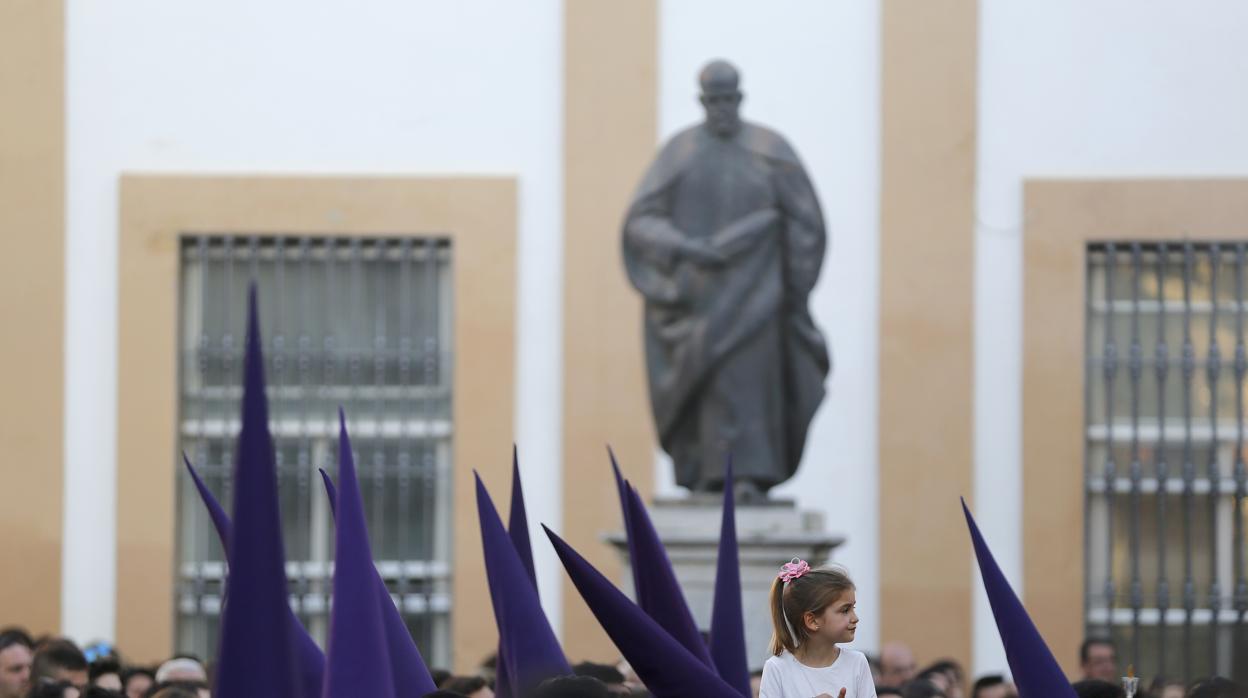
(518, 529)
(331, 492)
(358, 657)
(258, 655)
(311, 659)
(529, 645)
(407, 665)
(1036, 672)
(658, 592)
(518, 520)
(621, 490)
(727, 616)
(220, 519)
(664, 665)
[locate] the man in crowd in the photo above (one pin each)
(993, 686)
(1098, 659)
(897, 665)
(59, 660)
(15, 657)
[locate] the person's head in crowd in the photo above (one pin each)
(136, 680)
(922, 688)
(571, 687)
(443, 693)
(756, 682)
(1217, 687)
(897, 665)
(630, 677)
(59, 660)
(180, 689)
(607, 674)
(953, 674)
(16, 653)
(1096, 688)
(100, 692)
(489, 668)
(105, 672)
(887, 692)
(939, 679)
(176, 689)
(1162, 687)
(993, 686)
(48, 688)
(181, 668)
(1098, 659)
(471, 686)
(439, 676)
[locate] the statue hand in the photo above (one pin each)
(701, 253)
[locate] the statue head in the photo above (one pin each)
(721, 97)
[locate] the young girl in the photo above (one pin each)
(812, 610)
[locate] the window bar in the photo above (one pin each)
(329, 357)
(1161, 368)
(1136, 369)
(228, 372)
(1213, 371)
(199, 625)
(380, 531)
(355, 297)
(1241, 473)
(275, 373)
(406, 439)
(1110, 373)
(429, 366)
(1189, 468)
(304, 455)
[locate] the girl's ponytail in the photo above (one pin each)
(781, 638)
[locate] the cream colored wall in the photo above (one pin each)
(32, 298)
(610, 118)
(927, 251)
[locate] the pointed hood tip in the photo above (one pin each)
(358, 642)
(525, 637)
(664, 664)
(255, 626)
(1036, 671)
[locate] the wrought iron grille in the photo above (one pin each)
(361, 323)
(1165, 473)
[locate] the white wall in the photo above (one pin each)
(292, 87)
(810, 71)
(1118, 88)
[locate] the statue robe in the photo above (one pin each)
(736, 365)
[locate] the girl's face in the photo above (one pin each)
(838, 621)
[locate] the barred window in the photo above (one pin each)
(1165, 474)
(362, 323)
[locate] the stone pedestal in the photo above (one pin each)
(769, 534)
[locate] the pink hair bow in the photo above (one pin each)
(792, 570)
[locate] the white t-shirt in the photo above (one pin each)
(785, 677)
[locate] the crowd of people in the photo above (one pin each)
(56, 667)
(53, 667)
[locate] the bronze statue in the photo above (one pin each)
(724, 239)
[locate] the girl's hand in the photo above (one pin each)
(828, 695)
